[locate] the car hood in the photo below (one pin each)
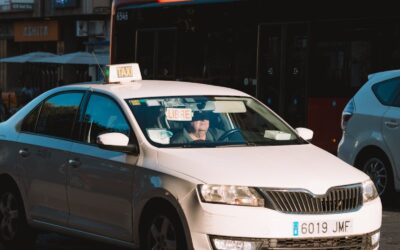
(294, 166)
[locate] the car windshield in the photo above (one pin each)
(210, 121)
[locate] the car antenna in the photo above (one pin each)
(98, 65)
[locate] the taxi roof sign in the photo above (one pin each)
(124, 72)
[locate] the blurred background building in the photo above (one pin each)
(56, 26)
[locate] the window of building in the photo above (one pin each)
(60, 4)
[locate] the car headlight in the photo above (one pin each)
(369, 191)
(231, 195)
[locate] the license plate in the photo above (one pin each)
(318, 228)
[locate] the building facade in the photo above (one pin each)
(55, 26)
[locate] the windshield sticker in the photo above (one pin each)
(134, 102)
(277, 135)
(176, 114)
(152, 103)
(173, 102)
(161, 136)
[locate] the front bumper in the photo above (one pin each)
(355, 242)
(274, 228)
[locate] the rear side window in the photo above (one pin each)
(387, 91)
(397, 102)
(29, 123)
(58, 114)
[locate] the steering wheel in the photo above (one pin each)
(228, 134)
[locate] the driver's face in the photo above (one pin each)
(200, 125)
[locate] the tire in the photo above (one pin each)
(14, 230)
(162, 230)
(378, 168)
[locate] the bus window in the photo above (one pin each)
(156, 52)
(145, 52)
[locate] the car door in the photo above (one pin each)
(99, 180)
(43, 147)
(391, 131)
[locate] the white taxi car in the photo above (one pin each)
(119, 163)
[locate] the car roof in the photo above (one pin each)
(384, 75)
(157, 88)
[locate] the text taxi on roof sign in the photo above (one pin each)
(124, 73)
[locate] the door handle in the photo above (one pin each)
(74, 163)
(391, 124)
(23, 152)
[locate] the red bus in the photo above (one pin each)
(305, 63)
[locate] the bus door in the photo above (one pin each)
(282, 69)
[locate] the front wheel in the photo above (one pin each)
(14, 231)
(163, 231)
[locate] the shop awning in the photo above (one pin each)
(29, 57)
(77, 58)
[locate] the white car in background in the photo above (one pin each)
(101, 161)
(371, 131)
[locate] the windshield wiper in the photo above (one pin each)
(199, 145)
(236, 144)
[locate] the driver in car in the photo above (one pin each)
(197, 130)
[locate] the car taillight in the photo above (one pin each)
(347, 113)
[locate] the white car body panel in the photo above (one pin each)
(263, 166)
(102, 178)
(44, 176)
(263, 223)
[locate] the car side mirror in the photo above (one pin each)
(305, 133)
(117, 142)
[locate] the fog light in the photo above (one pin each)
(375, 238)
(236, 244)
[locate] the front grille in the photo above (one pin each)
(337, 199)
(360, 242)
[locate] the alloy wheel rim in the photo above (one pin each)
(9, 216)
(376, 170)
(162, 234)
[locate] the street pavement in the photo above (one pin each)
(390, 236)
(390, 232)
